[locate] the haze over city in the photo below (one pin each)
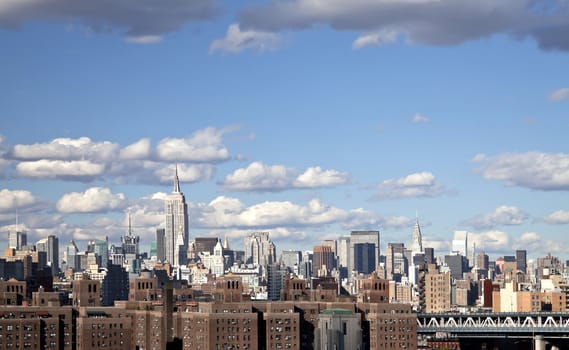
(288, 117)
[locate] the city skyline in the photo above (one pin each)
(285, 118)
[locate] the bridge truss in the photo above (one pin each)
(494, 323)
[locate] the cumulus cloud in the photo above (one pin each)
(316, 177)
(67, 149)
(535, 170)
(431, 22)
(93, 200)
(502, 215)
(414, 185)
(377, 38)
(533, 242)
(138, 150)
(137, 19)
(85, 160)
(81, 170)
(203, 146)
(559, 217)
(259, 177)
(226, 212)
(559, 95)
(186, 173)
(12, 200)
(237, 40)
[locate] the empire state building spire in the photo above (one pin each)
(176, 181)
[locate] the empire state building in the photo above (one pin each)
(176, 234)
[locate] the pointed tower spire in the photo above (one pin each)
(417, 244)
(176, 181)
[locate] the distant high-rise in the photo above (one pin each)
(417, 244)
(363, 243)
(101, 249)
(50, 245)
(322, 258)
(482, 260)
(71, 256)
(460, 243)
(259, 249)
(521, 260)
(291, 260)
(17, 239)
(160, 238)
(176, 235)
(430, 255)
(130, 248)
(395, 259)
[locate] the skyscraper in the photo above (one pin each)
(370, 249)
(50, 245)
(71, 256)
(521, 260)
(17, 239)
(160, 237)
(177, 226)
(259, 249)
(417, 244)
(130, 249)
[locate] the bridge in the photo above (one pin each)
(547, 330)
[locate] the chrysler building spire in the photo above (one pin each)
(417, 244)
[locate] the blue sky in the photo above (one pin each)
(301, 117)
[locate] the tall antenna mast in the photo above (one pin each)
(129, 224)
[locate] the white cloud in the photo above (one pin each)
(315, 177)
(237, 40)
(186, 173)
(144, 39)
(414, 185)
(138, 150)
(82, 159)
(259, 177)
(535, 170)
(438, 245)
(93, 200)
(502, 215)
(431, 22)
(396, 222)
(534, 243)
(490, 241)
(377, 38)
(12, 200)
(528, 238)
(559, 95)
(80, 170)
(420, 119)
(559, 217)
(227, 212)
(67, 149)
(204, 146)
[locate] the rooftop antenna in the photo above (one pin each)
(129, 224)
